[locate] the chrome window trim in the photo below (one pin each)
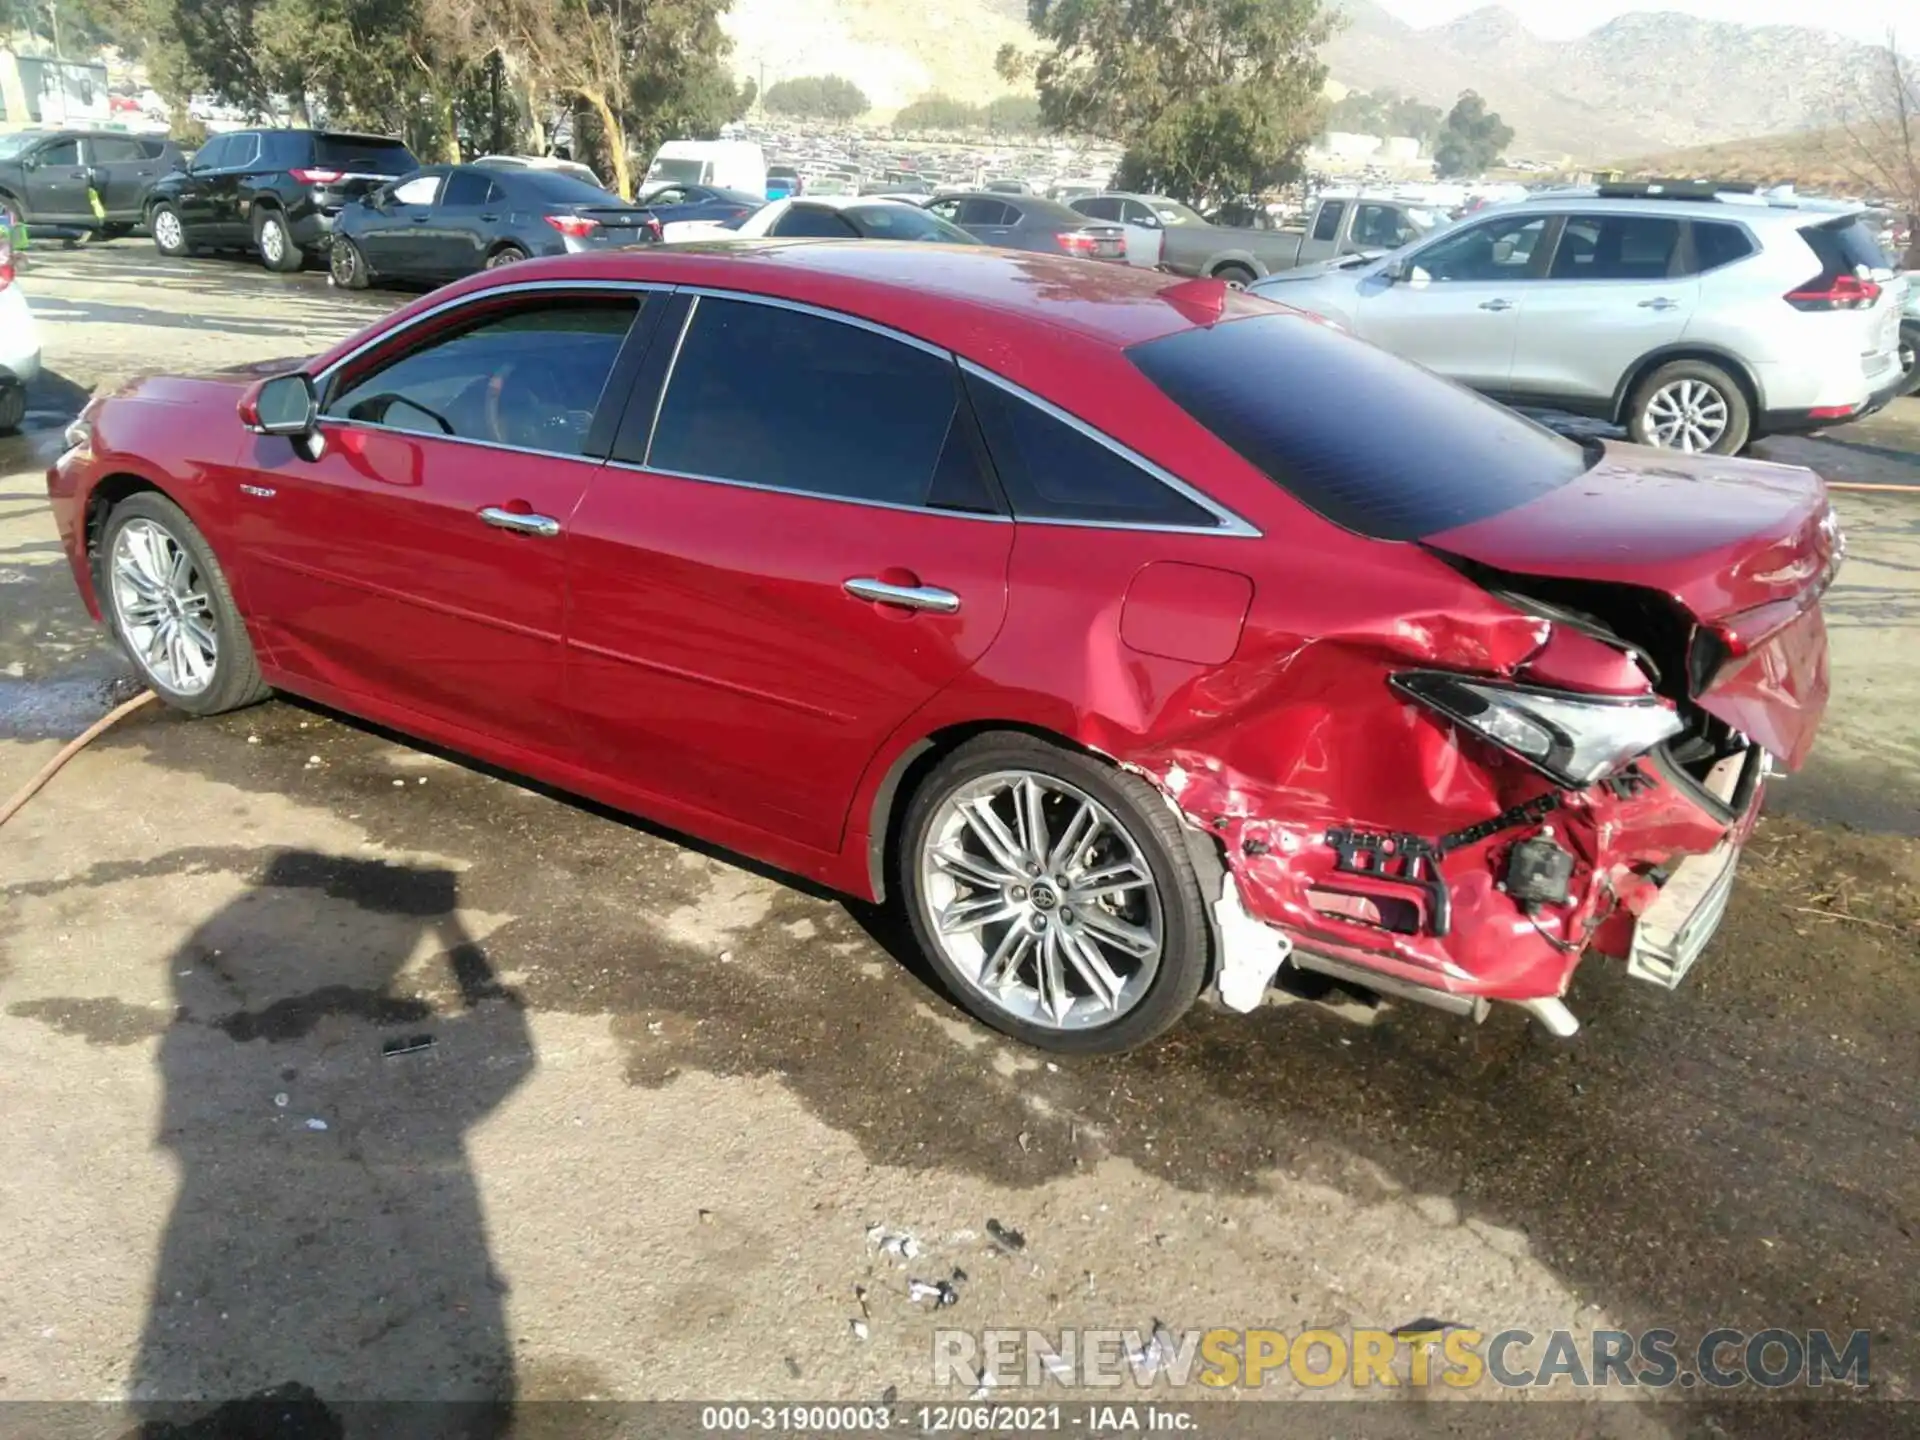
(666, 380)
(929, 510)
(340, 422)
(802, 307)
(1230, 524)
(473, 297)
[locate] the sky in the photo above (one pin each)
(1563, 19)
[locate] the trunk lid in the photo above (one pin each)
(613, 225)
(1744, 549)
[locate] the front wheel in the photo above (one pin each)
(1910, 356)
(1054, 895)
(169, 604)
(169, 234)
(347, 265)
(1692, 406)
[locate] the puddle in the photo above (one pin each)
(58, 709)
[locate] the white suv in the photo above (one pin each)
(1699, 320)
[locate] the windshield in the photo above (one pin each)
(12, 145)
(905, 222)
(1425, 220)
(1172, 212)
(555, 188)
(1282, 390)
(687, 172)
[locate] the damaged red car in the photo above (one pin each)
(1135, 636)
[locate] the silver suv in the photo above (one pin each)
(1697, 319)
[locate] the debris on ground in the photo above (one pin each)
(859, 1328)
(940, 1292)
(280, 1101)
(898, 1243)
(407, 1045)
(316, 1124)
(1006, 1237)
(860, 1297)
(890, 1394)
(706, 1217)
(1425, 1325)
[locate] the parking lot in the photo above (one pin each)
(668, 1094)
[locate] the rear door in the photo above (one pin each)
(422, 559)
(468, 219)
(1616, 291)
(986, 219)
(778, 571)
(57, 182)
(1458, 312)
(224, 191)
(125, 171)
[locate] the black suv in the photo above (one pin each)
(45, 176)
(276, 191)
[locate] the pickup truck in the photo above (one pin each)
(1187, 245)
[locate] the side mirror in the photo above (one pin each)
(1398, 272)
(283, 405)
(30, 162)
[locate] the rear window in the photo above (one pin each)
(363, 155)
(1292, 397)
(1715, 244)
(557, 189)
(905, 222)
(1845, 245)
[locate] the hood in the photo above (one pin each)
(230, 381)
(1741, 550)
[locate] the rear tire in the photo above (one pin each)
(1130, 876)
(506, 255)
(348, 265)
(147, 546)
(274, 240)
(1910, 355)
(169, 232)
(1692, 406)
(13, 407)
(1238, 277)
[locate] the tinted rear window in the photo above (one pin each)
(1845, 245)
(363, 155)
(549, 187)
(1374, 444)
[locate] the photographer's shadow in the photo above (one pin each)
(327, 1242)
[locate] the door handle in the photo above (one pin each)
(489, 219)
(1496, 304)
(544, 526)
(1662, 303)
(907, 597)
(421, 219)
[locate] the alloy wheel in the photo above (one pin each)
(164, 609)
(1687, 415)
(166, 230)
(1041, 900)
(343, 262)
(273, 242)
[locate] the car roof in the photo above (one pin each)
(1754, 210)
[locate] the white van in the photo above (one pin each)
(730, 164)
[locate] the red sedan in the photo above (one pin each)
(1136, 636)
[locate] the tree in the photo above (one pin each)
(1209, 97)
(1880, 138)
(1012, 115)
(817, 97)
(1472, 139)
(938, 112)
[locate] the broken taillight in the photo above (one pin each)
(577, 226)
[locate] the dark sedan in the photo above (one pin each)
(446, 221)
(674, 202)
(1028, 222)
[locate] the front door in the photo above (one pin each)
(422, 558)
(406, 241)
(1458, 309)
(805, 553)
(57, 183)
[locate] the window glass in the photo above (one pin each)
(61, 152)
(152, 149)
(1844, 245)
(983, 212)
(1616, 247)
(420, 190)
(905, 222)
(1134, 213)
(1326, 224)
(1715, 244)
(115, 150)
(466, 187)
(771, 396)
(530, 379)
(1383, 227)
(1282, 389)
(1052, 470)
(1498, 250)
(1100, 207)
(246, 150)
(363, 155)
(213, 154)
(811, 220)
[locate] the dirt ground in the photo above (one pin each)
(669, 1093)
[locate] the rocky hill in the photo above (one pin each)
(1644, 82)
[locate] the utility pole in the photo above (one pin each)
(53, 14)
